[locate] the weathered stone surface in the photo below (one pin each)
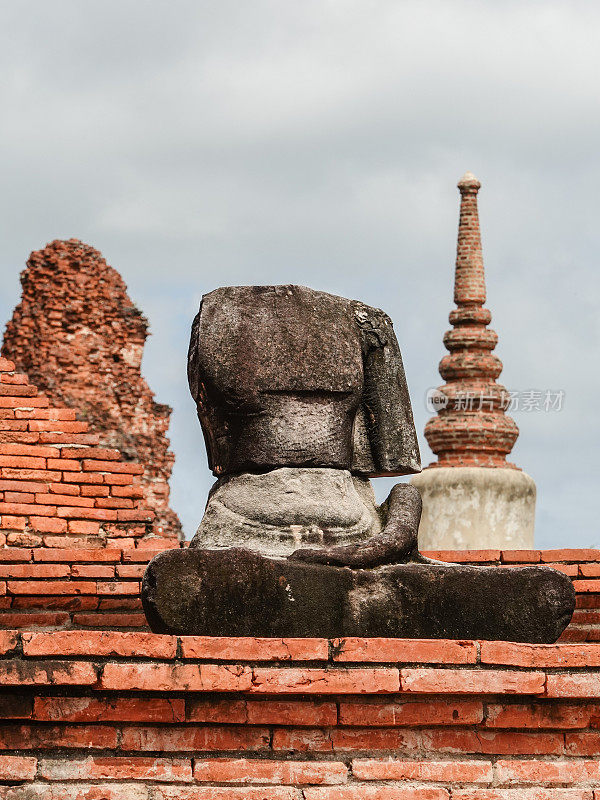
(239, 593)
(301, 396)
(285, 376)
(278, 511)
(79, 337)
(394, 544)
(471, 507)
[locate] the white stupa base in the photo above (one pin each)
(476, 508)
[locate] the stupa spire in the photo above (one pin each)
(472, 429)
(469, 277)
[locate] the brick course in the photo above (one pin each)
(71, 731)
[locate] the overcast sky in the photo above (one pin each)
(198, 144)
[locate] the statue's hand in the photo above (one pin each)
(396, 543)
(357, 556)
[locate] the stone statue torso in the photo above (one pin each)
(301, 396)
(287, 376)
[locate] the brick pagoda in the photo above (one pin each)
(472, 496)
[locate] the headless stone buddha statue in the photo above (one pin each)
(302, 399)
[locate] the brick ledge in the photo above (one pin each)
(106, 715)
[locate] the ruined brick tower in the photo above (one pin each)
(80, 339)
(472, 497)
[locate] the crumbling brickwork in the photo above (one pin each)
(80, 339)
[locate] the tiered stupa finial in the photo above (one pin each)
(472, 430)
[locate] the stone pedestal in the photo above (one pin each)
(471, 508)
(236, 592)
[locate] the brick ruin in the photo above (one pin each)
(472, 496)
(95, 707)
(59, 488)
(67, 506)
(80, 339)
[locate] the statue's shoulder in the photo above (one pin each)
(311, 301)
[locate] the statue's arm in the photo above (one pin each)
(386, 402)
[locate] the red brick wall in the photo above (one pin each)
(130, 716)
(74, 530)
(58, 488)
(46, 587)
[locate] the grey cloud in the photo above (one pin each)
(198, 144)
